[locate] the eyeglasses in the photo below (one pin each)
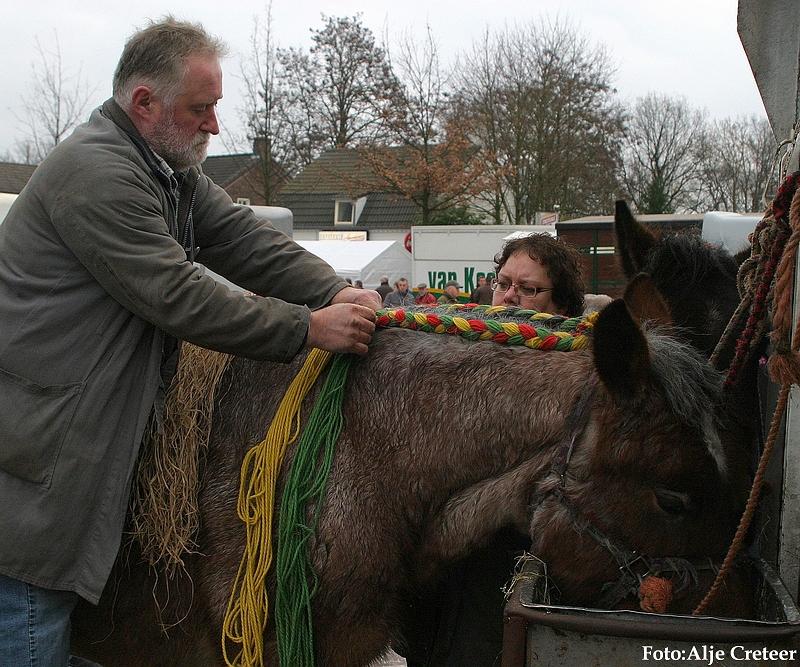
(527, 291)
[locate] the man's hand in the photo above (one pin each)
(342, 327)
(365, 297)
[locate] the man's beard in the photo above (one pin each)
(179, 149)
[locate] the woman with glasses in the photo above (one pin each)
(539, 272)
(460, 624)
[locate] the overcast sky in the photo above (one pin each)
(678, 47)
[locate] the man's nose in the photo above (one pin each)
(210, 123)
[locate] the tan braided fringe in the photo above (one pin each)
(164, 505)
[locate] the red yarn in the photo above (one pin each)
(549, 343)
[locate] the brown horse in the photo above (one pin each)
(697, 280)
(597, 454)
(698, 283)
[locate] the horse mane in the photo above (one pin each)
(685, 259)
(683, 374)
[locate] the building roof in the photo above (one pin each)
(648, 218)
(668, 221)
(340, 173)
(316, 211)
(225, 169)
(13, 177)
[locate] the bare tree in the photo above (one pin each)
(540, 101)
(56, 104)
(661, 166)
(340, 89)
(736, 164)
(264, 113)
(432, 161)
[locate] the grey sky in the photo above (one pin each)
(678, 47)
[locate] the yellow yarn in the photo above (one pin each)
(462, 324)
(248, 610)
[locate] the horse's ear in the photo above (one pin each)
(646, 304)
(634, 240)
(621, 352)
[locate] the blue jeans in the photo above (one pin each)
(34, 625)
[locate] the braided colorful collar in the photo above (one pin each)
(501, 324)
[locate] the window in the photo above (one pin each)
(344, 212)
(244, 201)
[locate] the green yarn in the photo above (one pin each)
(296, 580)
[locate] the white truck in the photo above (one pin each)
(462, 253)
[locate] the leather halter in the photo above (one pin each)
(634, 566)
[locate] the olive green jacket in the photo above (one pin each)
(92, 281)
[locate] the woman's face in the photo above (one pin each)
(521, 270)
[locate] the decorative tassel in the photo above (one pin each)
(655, 594)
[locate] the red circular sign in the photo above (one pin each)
(407, 242)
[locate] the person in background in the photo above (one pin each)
(402, 297)
(460, 624)
(358, 284)
(424, 297)
(384, 288)
(551, 261)
(539, 272)
(98, 282)
(450, 293)
(482, 294)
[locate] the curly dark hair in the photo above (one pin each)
(563, 264)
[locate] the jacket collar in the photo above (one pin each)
(117, 115)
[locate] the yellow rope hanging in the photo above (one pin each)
(248, 611)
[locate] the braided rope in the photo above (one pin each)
(756, 275)
(756, 282)
(500, 324)
(784, 364)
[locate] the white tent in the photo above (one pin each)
(366, 261)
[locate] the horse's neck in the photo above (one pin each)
(500, 496)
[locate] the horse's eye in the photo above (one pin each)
(672, 502)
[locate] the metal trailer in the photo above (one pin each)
(543, 635)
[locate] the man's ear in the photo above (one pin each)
(144, 105)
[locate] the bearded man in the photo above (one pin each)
(97, 284)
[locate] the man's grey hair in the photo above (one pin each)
(157, 56)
